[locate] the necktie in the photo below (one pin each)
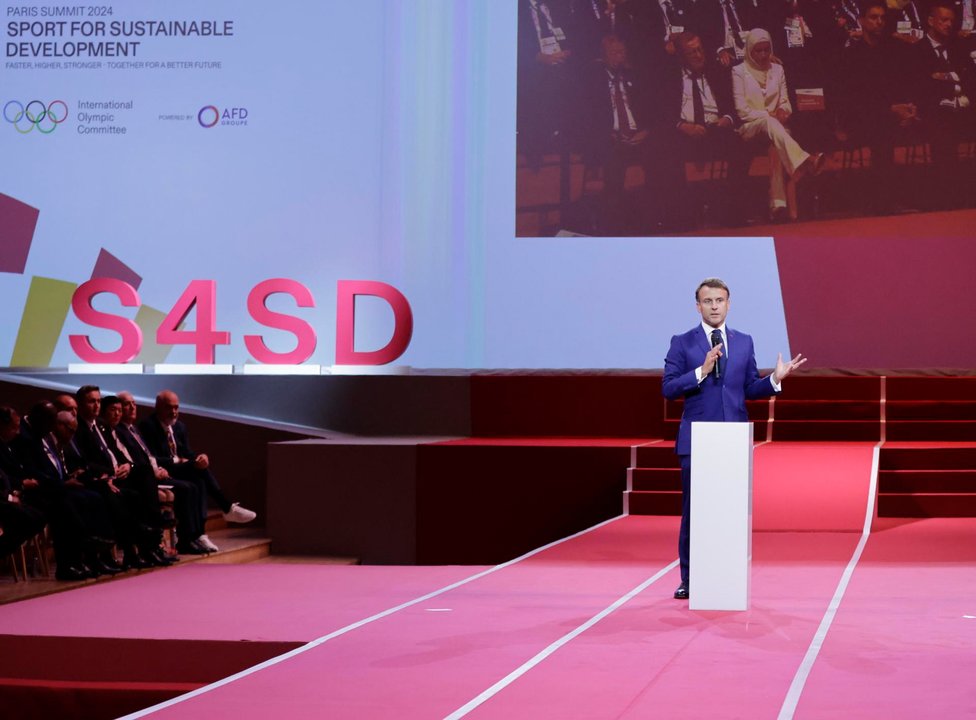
(145, 449)
(171, 441)
(105, 448)
(120, 447)
(668, 9)
(733, 23)
(697, 106)
(620, 103)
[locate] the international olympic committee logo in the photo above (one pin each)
(36, 114)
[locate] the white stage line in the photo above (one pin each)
(349, 628)
(806, 665)
(524, 668)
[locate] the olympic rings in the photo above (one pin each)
(36, 112)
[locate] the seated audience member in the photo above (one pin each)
(105, 474)
(805, 34)
(619, 135)
(80, 523)
(34, 426)
(186, 502)
(869, 112)
(595, 19)
(547, 64)
(722, 28)
(905, 20)
(18, 521)
(763, 105)
(42, 496)
(698, 123)
(139, 478)
(942, 82)
(166, 436)
(66, 402)
(965, 23)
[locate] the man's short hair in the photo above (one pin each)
(7, 415)
(712, 282)
(866, 6)
(84, 390)
(682, 39)
(110, 400)
(941, 5)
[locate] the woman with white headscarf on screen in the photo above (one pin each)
(763, 105)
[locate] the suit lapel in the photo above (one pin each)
(703, 342)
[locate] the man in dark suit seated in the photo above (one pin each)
(186, 503)
(80, 522)
(166, 436)
(942, 81)
(722, 25)
(547, 61)
(121, 487)
(869, 111)
(18, 522)
(697, 124)
(619, 135)
(905, 20)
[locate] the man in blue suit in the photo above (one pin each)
(713, 368)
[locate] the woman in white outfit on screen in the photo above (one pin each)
(763, 105)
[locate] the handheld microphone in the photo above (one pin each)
(717, 340)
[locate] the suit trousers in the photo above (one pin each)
(684, 534)
(784, 152)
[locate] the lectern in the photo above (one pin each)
(721, 515)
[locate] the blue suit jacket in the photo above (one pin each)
(712, 400)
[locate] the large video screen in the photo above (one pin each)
(195, 150)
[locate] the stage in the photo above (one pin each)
(850, 615)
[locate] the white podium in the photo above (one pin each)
(721, 515)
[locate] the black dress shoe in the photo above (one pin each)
(71, 574)
(160, 558)
(132, 561)
(682, 592)
(104, 568)
(190, 549)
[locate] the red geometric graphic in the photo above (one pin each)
(109, 266)
(17, 223)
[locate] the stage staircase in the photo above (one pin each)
(926, 426)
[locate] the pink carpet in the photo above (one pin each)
(228, 602)
(903, 644)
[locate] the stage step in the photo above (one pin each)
(656, 456)
(932, 481)
(930, 410)
(655, 479)
(931, 430)
(927, 505)
(654, 502)
(787, 409)
(928, 458)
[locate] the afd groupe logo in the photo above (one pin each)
(212, 116)
(44, 117)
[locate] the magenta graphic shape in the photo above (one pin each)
(109, 266)
(17, 223)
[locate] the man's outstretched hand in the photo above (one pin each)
(785, 368)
